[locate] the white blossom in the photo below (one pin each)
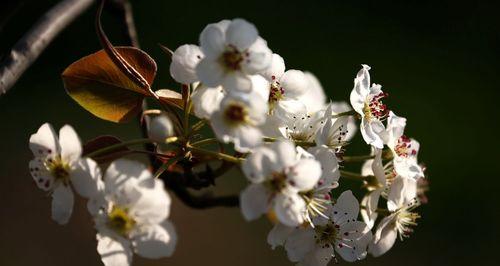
(184, 62)
(239, 116)
(58, 166)
(233, 51)
(340, 107)
(404, 149)
(206, 100)
(332, 131)
(285, 93)
(314, 99)
(134, 216)
(160, 128)
(278, 175)
(367, 101)
(401, 202)
(340, 234)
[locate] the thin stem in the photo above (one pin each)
(198, 125)
(347, 113)
(351, 175)
(219, 155)
(360, 158)
(297, 142)
(119, 145)
(204, 142)
(186, 95)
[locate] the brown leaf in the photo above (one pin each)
(171, 97)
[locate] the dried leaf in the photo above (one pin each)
(170, 97)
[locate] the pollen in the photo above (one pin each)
(236, 113)
(59, 169)
(120, 221)
(231, 59)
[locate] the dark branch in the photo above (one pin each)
(177, 182)
(32, 44)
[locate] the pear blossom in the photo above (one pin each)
(285, 93)
(401, 202)
(339, 233)
(404, 149)
(238, 118)
(315, 98)
(206, 100)
(233, 51)
(300, 127)
(374, 168)
(367, 101)
(340, 107)
(58, 166)
(133, 218)
(184, 62)
(160, 128)
(278, 175)
(332, 131)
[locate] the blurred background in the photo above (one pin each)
(437, 60)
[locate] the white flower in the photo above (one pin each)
(206, 100)
(239, 116)
(278, 175)
(300, 127)
(340, 233)
(275, 69)
(332, 131)
(314, 99)
(58, 165)
(184, 62)
(285, 93)
(374, 168)
(161, 127)
(367, 101)
(340, 107)
(404, 149)
(134, 217)
(233, 51)
(401, 202)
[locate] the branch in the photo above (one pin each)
(32, 44)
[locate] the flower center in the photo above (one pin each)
(374, 108)
(120, 221)
(231, 59)
(277, 182)
(405, 219)
(326, 235)
(403, 147)
(58, 169)
(276, 94)
(236, 113)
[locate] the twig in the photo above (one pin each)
(32, 44)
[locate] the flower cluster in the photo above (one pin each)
(289, 140)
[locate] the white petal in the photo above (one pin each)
(210, 72)
(237, 81)
(258, 166)
(155, 241)
(315, 98)
(395, 129)
(330, 173)
(294, 82)
(403, 191)
(254, 201)
(275, 69)
(278, 235)
(114, 252)
(71, 147)
(346, 208)
(408, 167)
(184, 62)
(44, 142)
(305, 174)
(300, 243)
(206, 100)
(260, 87)
(258, 59)
(369, 134)
(320, 256)
(361, 89)
(288, 109)
(42, 176)
(62, 204)
(121, 180)
(384, 237)
(153, 206)
(290, 209)
(241, 34)
(370, 204)
(285, 154)
(212, 42)
(86, 178)
(161, 127)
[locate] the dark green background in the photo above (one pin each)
(437, 59)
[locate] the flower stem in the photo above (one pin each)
(351, 175)
(204, 142)
(347, 113)
(297, 142)
(119, 145)
(219, 155)
(360, 158)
